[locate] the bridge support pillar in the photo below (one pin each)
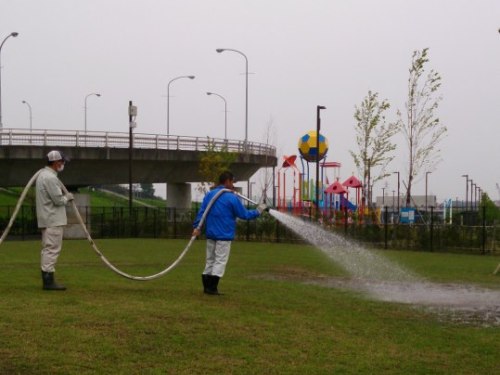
(179, 195)
(74, 230)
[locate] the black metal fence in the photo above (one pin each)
(144, 222)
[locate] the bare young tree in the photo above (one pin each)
(422, 129)
(266, 174)
(373, 138)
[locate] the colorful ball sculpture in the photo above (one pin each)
(308, 146)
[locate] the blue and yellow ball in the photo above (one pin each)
(308, 146)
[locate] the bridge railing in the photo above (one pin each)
(69, 138)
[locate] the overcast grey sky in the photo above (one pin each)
(301, 53)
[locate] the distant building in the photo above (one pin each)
(417, 201)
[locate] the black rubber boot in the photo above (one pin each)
(49, 282)
(205, 279)
(213, 282)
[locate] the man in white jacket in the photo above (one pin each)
(51, 216)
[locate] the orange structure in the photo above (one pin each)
(288, 163)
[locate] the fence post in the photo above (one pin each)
(136, 218)
(175, 222)
(154, 223)
(277, 231)
(22, 222)
(432, 227)
(386, 226)
(167, 214)
(484, 230)
(345, 219)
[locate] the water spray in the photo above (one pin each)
(93, 244)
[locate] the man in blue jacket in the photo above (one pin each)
(220, 228)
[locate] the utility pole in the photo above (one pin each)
(132, 113)
(318, 128)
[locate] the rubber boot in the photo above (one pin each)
(49, 282)
(205, 279)
(212, 285)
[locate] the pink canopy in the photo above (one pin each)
(352, 182)
(335, 188)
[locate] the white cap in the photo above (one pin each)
(55, 155)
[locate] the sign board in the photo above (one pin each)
(407, 215)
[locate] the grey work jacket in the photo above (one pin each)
(50, 200)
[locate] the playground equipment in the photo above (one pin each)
(308, 146)
(309, 153)
(334, 197)
(289, 164)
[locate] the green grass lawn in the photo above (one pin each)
(105, 324)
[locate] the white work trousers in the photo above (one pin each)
(51, 247)
(217, 257)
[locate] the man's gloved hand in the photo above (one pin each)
(69, 197)
(262, 207)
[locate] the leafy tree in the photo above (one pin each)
(147, 189)
(422, 129)
(213, 162)
(373, 138)
(492, 212)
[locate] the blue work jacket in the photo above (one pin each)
(220, 223)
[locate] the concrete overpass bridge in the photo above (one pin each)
(103, 158)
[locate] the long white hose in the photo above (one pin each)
(94, 246)
(18, 206)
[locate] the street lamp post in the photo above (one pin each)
(168, 99)
(471, 195)
(85, 112)
(318, 128)
(383, 196)
(466, 190)
(13, 34)
(476, 197)
(31, 115)
(426, 176)
(220, 50)
(225, 112)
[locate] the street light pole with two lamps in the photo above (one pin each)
(220, 50)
